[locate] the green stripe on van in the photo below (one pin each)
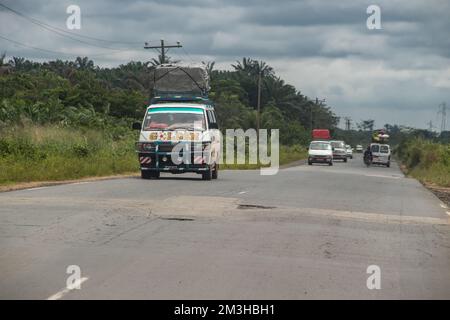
(176, 109)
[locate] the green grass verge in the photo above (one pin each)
(426, 161)
(37, 153)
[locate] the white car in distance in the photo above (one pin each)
(320, 152)
(349, 151)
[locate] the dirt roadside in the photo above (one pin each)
(38, 184)
(442, 193)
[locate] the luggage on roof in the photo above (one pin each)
(178, 79)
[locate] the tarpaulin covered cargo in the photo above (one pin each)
(323, 134)
(180, 79)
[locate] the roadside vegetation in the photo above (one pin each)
(49, 153)
(426, 160)
(63, 120)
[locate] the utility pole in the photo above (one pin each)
(163, 48)
(348, 122)
(443, 111)
(258, 107)
(430, 125)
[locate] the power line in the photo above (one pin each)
(62, 32)
(188, 55)
(52, 51)
(163, 48)
(35, 48)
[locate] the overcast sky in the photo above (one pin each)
(399, 74)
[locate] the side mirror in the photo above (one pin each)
(213, 126)
(332, 148)
(136, 126)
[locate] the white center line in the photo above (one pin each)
(242, 192)
(65, 291)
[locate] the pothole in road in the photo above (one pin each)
(253, 206)
(178, 219)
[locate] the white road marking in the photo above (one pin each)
(448, 212)
(443, 206)
(242, 192)
(85, 182)
(65, 291)
(32, 189)
(382, 176)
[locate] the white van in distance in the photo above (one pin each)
(381, 154)
(321, 152)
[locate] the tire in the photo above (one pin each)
(330, 163)
(147, 174)
(207, 175)
(388, 164)
(345, 160)
(215, 173)
(310, 163)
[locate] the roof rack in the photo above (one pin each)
(177, 97)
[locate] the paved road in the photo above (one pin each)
(308, 232)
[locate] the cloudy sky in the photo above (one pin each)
(399, 74)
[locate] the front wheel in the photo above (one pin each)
(215, 173)
(330, 163)
(147, 174)
(345, 160)
(207, 175)
(388, 164)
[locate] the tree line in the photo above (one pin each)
(80, 93)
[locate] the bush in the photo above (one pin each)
(425, 160)
(62, 153)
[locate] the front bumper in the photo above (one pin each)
(319, 159)
(339, 156)
(162, 161)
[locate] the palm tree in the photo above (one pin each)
(156, 62)
(245, 66)
(84, 63)
(209, 67)
(253, 68)
(5, 68)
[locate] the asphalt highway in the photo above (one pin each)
(308, 232)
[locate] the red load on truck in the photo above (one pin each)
(322, 134)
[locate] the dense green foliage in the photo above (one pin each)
(35, 153)
(426, 160)
(70, 119)
(78, 93)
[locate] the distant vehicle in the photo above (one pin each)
(359, 148)
(381, 154)
(320, 151)
(321, 134)
(339, 151)
(349, 151)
